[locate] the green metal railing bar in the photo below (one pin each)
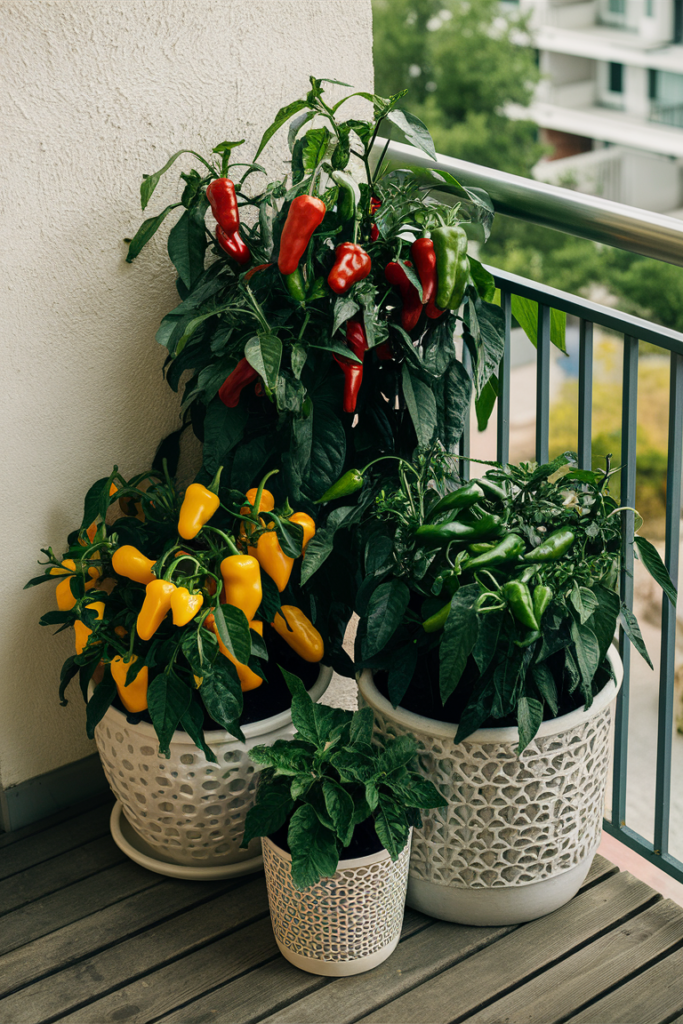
(543, 383)
(585, 394)
(503, 417)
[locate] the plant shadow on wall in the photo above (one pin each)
(320, 333)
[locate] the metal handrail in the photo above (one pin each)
(575, 213)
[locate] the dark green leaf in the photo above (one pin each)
(150, 181)
(398, 752)
(487, 639)
(146, 230)
(587, 651)
(340, 808)
(69, 670)
(545, 684)
(264, 352)
(413, 129)
(283, 115)
(303, 712)
(222, 696)
(92, 505)
(223, 429)
(315, 147)
(483, 280)
(525, 312)
(421, 403)
(99, 703)
(187, 243)
(344, 308)
(529, 718)
(313, 848)
(401, 672)
(168, 700)
(460, 635)
(391, 826)
(604, 619)
(632, 630)
(362, 725)
(271, 810)
(655, 566)
(299, 355)
(485, 402)
(475, 714)
(270, 602)
(193, 724)
(584, 601)
(233, 629)
(385, 613)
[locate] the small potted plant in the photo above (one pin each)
(335, 810)
(183, 611)
(487, 615)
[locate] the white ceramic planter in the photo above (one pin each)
(519, 833)
(344, 925)
(186, 809)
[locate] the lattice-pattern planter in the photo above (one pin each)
(345, 924)
(187, 809)
(518, 834)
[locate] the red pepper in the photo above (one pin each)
(221, 195)
(351, 264)
(374, 230)
(424, 257)
(232, 387)
(305, 215)
(233, 243)
(250, 273)
(353, 372)
(384, 351)
(412, 307)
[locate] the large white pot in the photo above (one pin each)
(344, 925)
(518, 835)
(187, 809)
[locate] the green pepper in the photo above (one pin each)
(437, 621)
(508, 548)
(542, 597)
(349, 483)
(442, 533)
(462, 498)
(450, 246)
(553, 547)
(520, 603)
(481, 547)
(295, 285)
(492, 490)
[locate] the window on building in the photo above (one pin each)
(617, 6)
(649, 8)
(652, 84)
(616, 77)
(678, 21)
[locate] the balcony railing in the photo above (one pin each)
(647, 234)
(667, 113)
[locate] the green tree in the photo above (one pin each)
(463, 62)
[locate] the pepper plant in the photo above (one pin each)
(329, 779)
(495, 602)
(181, 609)
(319, 314)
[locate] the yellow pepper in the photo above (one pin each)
(248, 679)
(185, 605)
(267, 503)
(134, 696)
(242, 583)
(272, 558)
(300, 633)
(155, 607)
(307, 525)
(129, 562)
(199, 504)
(65, 599)
(82, 632)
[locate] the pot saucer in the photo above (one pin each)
(130, 843)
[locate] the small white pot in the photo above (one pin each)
(519, 833)
(344, 925)
(187, 809)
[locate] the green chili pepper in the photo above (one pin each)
(542, 597)
(480, 548)
(349, 483)
(553, 547)
(295, 285)
(508, 548)
(462, 498)
(442, 533)
(450, 245)
(520, 603)
(437, 621)
(492, 490)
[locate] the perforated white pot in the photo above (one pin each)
(187, 809)
(344, 925)
(518, 835)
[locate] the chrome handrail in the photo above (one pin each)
(575, 213)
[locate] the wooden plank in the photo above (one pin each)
(270, 988)
(165, 989)
(75, 902)
(68, 813)
(600, 869)
(592, 971)
(649, 998)
(42, 879)
(50, 842)
(161, 899)
(512, 959)
(80, 983)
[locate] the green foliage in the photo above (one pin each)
(469, 606)
(330, 778)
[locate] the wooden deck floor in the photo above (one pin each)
(88, 936)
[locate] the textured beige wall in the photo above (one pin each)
(94, 93)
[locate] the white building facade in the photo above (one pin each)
(610, 102)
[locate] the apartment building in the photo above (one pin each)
(610, 102)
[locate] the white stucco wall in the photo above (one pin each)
(94, 93)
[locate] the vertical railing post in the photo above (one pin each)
(465, 439)
(503, 422)
(629, 420)
(668, 649)
(543, 383)
(585, 394)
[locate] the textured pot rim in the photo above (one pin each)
(251, 730)
(351, 862)
(501, 734)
